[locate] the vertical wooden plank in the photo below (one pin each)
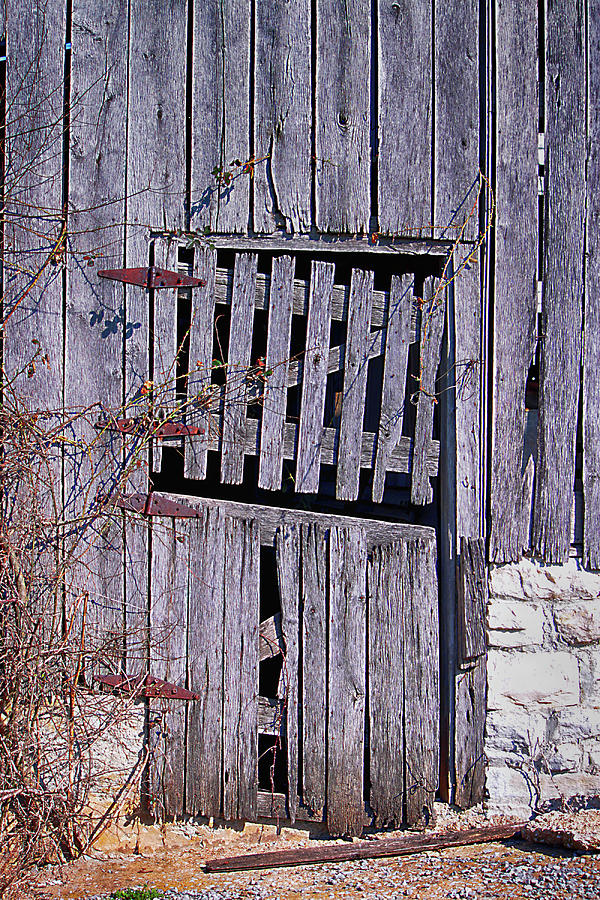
(240, 677)
(404, 110)
(456, 102)
(470, 760)
(386, 575)
(355, 384)
(421, 680)
(432, 330)
(168, 660)
(236, 390)
(591, 375)
(279, 332)
(220, 114)
(314, 666)
(200, 366)
(164, 342)
(347, 665)
(472, 600)
(314, 378)
(283, 117)
(397, 340)
(563, 278)
(287, 549)
(342, 116)
(205, 664)
(515, 300)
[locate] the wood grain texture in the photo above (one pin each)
(205, 663)
(283, 117)
(433, 317)
(456, 103)
(469, 757)
(220, 114)
(279, 331)
(314, 666)
(287, 551)
(386, 578)
(563, 278)
(355, 385)
(342, 116)
(314, 378)
(240, 677)
(472, 597)
(270, 638)
(405, 117)
(591, 378)
(515, 270)
(346, 689)
(421, 681)
(236, 389)
(200, 365)
(164, 343)
(397, 341)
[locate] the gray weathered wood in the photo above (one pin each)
(279, 330)
(274, 806)
(200, 365)
(386, 579)
(342, 116)
(314, 378)
(314, 666)
(270, 638)
(421, 681)
(337, 243)
(283, 117)
(515, 269)
(472, 597)
(470, 760)
(238, 361)
(205, 663)
(337, 357)
(432, 329)
(456, 103)
(563, 278)
(404, 111)
(287, 550)
(394, 378)
(168, 656)
(270, 716)
(355, 385)
(220, 114)
(165, 347)
(240, 676)
(346, 688)
(591, 374)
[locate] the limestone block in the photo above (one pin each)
(564, 758)
(579, 784)
(577, 725)
(533, 579)
(512, 624)
(505, 581)
(589, 678)
(510, 792)
(592, 753)
(550, 679)
(578, 623)
(522, 732)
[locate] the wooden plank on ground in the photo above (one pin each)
(515, 302)
(287, 551)
(220, 114)
(591, 373)
(279, 331)
(432, 329)
(421, 680)
(314, 666)
(472, 595)
(355, 385)
(164, 343)
(314, 378)
(283, 117)
(342, 139)
(346, 689)
(205, 664)
(469, 754)
(386, 581)
(397, 341)
(405, 118)
(240, 677)
(563, 279)
(238, 361)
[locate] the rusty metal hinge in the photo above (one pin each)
(154, 427)
(153, 505)
(145, 686)
(152, 278)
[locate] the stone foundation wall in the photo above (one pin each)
(543, 723)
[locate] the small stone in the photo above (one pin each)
(578, 623)
(550, 679)
(514, 625)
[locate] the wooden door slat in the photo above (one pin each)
(236, 388)
(355, 384)
(394, 377)
(315, 367)
(279, 331)
(432, 329)
(472, 599)
(164, 343)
